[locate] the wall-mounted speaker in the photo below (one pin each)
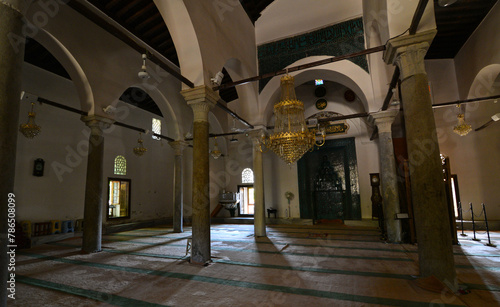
(38, 167)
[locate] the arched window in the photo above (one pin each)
(120, 165)
(247, 176)
(156, 127)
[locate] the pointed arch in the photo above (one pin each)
(486, 83)
(180, 26)
(165, 107)
(71, 65)
(343, 72)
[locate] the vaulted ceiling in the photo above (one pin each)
(455, 23)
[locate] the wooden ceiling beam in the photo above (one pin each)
(148, 23)
(126, 9)
(140, 13)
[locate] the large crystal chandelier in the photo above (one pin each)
(30, 129)
(291, 138)
(462, 128)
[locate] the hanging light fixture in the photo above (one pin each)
(216, 153)
(143, 74)
(140, 149)
(462, 128)
(30, 129)
(291, 138)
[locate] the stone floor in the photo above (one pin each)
(329, 265)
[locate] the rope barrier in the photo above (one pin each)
(473, 223)
(487, 228)
(483, 210)
(461, 219)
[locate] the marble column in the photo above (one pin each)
(94, 187)
(11, 61)
(390, 196)
(201, 99)
(426, 173)
(259, 217)
(178, 147)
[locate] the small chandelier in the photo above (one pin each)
(140, 149)
(291, 137)
(30, 129)
(216, 153)
(462, 128)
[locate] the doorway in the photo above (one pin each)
(247, 200)
(328, 182)
(118, 198)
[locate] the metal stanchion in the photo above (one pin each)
(487, 229)
(462, 219)
(473, 223)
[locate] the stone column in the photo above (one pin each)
(259, 217)
(92, 215)
(428, 192)
(11, 61)
(201, 99)
(388, 175)
(178, 147)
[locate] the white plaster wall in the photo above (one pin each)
(474, 158)
(281, 18)
(62, 144)
(480, 50)
(443, 81)
(367, 154)
(280, 178)
(48, 197)
(151, 175)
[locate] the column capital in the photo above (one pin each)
(408, 52)
(384, 119)
(178, 146)
(201, 99)
(256, 135)
(20, 6)
(97, 123)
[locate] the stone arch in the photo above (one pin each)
(180, 26)
(165, 108)
(486, 83)
(247, 93)
(343, 72)
(70, 64)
